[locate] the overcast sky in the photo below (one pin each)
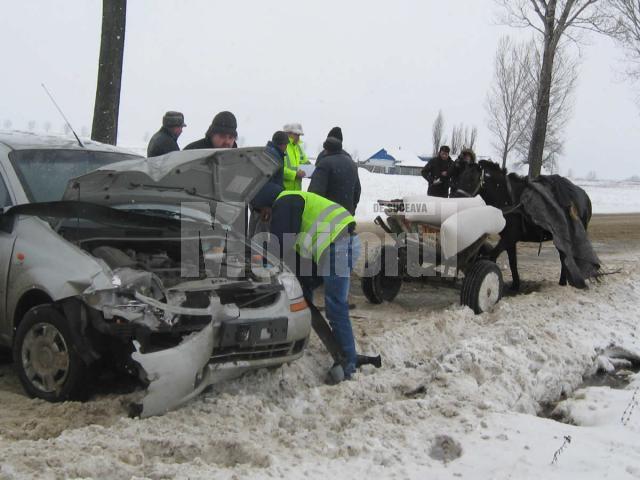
(379, 69)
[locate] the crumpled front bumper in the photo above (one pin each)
(177, 375)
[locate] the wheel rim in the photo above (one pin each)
(45, 357)
(489, 291)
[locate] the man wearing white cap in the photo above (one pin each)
(294, 158)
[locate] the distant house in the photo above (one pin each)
(396, 161)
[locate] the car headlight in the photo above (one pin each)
(291, 285)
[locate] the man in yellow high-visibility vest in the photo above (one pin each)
(317, 230)
(295, 156)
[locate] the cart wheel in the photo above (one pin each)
(482, 286)
(380, 283)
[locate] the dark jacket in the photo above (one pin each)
(336, 178)
(432, 173)
(268, 193)
(162, 142)
(278, 177)
(286, 222)
(203, 143)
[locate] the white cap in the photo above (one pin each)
(293, 128)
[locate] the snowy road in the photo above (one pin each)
(452, 384)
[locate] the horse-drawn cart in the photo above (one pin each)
(438, 238)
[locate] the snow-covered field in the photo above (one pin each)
(606, 196)
(456, 398)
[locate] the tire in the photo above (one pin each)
(46, 358)
(378, 284)
(482, 286)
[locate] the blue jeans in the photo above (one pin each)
(334, 272)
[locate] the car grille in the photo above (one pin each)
(255, 352)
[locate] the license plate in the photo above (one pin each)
(254, 332)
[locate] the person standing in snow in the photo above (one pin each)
(294, 158)
(336, 174)
(165, 140)
(263, 201)
(222, 133)
(467, 157)
(438, 173)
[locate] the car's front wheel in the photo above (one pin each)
(44, 353)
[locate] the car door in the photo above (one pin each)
(7, 240)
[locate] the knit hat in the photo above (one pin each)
(332, 145)
(173, 119)
(223, 122)
(335, 132)
(444, 148)
(280, 138)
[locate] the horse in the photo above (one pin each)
(503, 190)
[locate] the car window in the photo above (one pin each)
(44, 174)
(5, 198)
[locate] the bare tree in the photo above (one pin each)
(107, 105)
(554, 20)
(47, 126)
(469, 137)
(437, 131)
(507, 102)
(473, 137)
(7, 124)
(456, 139)
(563, 83)
(624, 26)
(31, 125)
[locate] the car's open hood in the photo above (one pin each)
(226, 175)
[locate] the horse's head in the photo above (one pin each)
(485, 178)
(469, 182)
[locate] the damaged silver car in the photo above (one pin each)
(136, 264)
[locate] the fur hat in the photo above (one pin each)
(470, 152)
(173, 119)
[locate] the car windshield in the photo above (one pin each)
(44, 174)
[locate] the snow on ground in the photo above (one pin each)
(456, 398)
(606, 196)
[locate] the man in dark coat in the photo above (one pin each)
(222, 133)
(336, 174)
(438, 173)
(261, 204)
(165, 140)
